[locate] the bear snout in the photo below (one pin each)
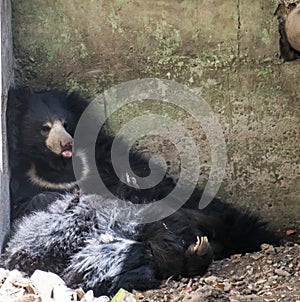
(59, 141)
(66, 144)
(66, 148)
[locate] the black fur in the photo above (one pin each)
(26, 113)
(84, 239)
(62, 235)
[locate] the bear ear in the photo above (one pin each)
(18, 98)
(17, 104)
(76, 104)
(27, 91)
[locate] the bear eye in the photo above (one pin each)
(46, 129)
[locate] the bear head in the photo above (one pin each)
(42, 125)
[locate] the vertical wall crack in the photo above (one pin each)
(238, 34)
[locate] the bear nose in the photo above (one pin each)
(66, 144)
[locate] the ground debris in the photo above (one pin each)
(41, 287)
(271, 275)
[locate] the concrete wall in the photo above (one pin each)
(227, 51)
(6, 79)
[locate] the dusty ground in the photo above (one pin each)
(272, 274)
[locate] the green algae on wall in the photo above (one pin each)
(226, 51)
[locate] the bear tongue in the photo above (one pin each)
(67, 153)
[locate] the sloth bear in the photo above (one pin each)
(41, 127)
(83, 239)
(288, 16)
(81, 236)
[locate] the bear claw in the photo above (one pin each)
(201, 247)
(198, 257)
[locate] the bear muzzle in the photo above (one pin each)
(59, 141)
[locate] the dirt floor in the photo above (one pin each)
(270, 275)
(273, 274)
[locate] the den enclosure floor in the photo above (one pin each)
(270, 275)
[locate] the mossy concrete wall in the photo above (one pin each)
(227, 51)
(6, 74)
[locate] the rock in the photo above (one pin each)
(195, 297)
(257, 256)
(261, 281)
(252, 298)
(102, 299)
(227, 286)
(250, 270)
(3, 274)
(8, 289)
(7, 298)
(88, 297)
(281, 272)
(61, 293)
(267, 248)
(45, 282)
(78, 294)
(25, 283)
(210, 280)
(30, 298)
(236, 256)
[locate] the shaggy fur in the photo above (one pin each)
(78, 236)
(83, 239)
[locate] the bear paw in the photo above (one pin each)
(198, 257)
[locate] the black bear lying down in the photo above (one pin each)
(77, 235)
(83, 239)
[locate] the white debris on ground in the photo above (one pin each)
(41, 287)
